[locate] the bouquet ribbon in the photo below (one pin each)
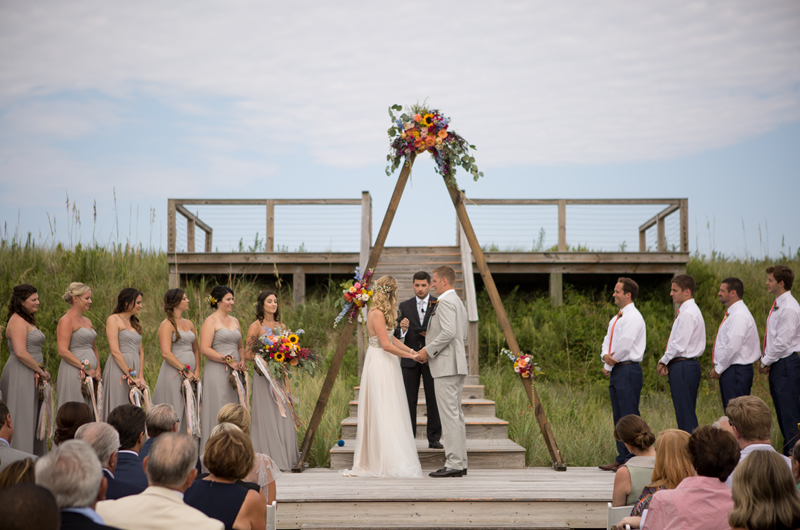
(192, 409)
(46, 414)
(275, 389)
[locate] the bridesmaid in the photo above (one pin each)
(272, 433)
(124, 366)
(220, 336)
(76, 342)
(178, 340)
(25, 362)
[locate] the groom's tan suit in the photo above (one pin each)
(444, 343)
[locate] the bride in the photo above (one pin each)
(384, 442)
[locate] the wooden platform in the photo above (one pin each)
(519, 498)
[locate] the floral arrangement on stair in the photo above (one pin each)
(523, 364)
(423, 129)
(356, 293)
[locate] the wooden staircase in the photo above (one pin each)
(488, 446)
(402, 262)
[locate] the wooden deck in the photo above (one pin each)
(522, 498)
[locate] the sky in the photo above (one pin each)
(117, 106)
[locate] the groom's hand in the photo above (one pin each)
(422, 355)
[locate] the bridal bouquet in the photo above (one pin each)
(281, 349)
(356, 293)
(422, 129)
(523, 364)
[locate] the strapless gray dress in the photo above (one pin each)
(22, 397)
(273, 434)
(68, 383)
(168, 387)
(116, 392)
(217, 390)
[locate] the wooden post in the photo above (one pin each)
(557, 288)
(684, 225)
(270, 226)
(363, 257)
(299, 286)
(502, 317)
(642, 240)
(172, 234)
(562, 225)
(190, 225)
(661, 238)
(347, 332)
(471, 301)
(209, 241)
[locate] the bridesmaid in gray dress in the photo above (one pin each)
(273, 434)
(25, 363)
(76, 343)
(178, 340)
(220, 337)
(124, 365)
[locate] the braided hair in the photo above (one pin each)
(173, 299)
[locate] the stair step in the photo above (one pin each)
(469, 392)
(478, 428)
(481, 454)
(471, 407)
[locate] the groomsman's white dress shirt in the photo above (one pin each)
(783, 329)
(737, 339)
(630, 337)
(688, 335)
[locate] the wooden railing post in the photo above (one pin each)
(642, 240)
(209, 241)
(471, 301)
(190, 234)
(172, 235)
(661, 237)
(562, 225)
(270, 226)
(684, 225)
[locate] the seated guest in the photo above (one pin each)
(700, 502)
(27, 506)
(633, 475)
(796, 464)
(673, 464)
(723, 423)
(128, 420)
(19, 472)
(8, 454)
(104, 439)
(751, 421)
(170, 469)
(764, 494)
(229, 457)
(69, 417)
(161, 418)
(265, 472)
(73, 475)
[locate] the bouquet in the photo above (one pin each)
(422, 129)
(281, 350)
(523, 364)
(356, 293)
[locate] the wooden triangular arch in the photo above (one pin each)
(374, 256)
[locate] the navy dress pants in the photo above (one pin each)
(784, 386)
(684, 380)
(625, 387)
(735, 381)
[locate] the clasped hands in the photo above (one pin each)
(420, 356)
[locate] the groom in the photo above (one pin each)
(444, 350)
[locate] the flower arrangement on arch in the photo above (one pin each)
(523, 364)
(356, 293)
(281, 350)
(422, 129)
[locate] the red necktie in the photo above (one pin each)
(611, 339)
(766, 327)
(714, 347)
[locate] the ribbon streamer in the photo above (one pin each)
(46, 425)
(275, 390)
(88, 385)
(192, 414)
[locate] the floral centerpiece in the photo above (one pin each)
(523, 364)
(281, 350)
(421, 129)
(356, 293)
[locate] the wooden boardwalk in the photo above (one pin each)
(519, 498)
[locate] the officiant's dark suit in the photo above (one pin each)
(412, 370)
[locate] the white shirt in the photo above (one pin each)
(422, 303)
(783, 329)
(737, 339)
(630, 337)
(752, 448)
(447, 293)
(688, 335)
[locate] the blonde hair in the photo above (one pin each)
(75, 289)
(235, 414)
(764, 493)
(673, 462)
(384, 299)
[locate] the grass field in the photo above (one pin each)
(565, 340)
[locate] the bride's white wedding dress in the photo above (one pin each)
(384, 441)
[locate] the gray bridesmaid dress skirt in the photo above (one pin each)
(116, 390)
(168, 387)
(217, 390)
(68, 383)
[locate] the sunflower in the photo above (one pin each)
(427, 120)
(294, 339)
(279, 357)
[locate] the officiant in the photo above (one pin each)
(412, 321)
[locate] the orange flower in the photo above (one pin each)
(417, 117)
(293, 362)
(429, 141)
(418, 142)
(442, 134)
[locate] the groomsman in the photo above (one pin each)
(780, 359)
(622, 351)
(685, 345)
(412, 323)
(736, 345)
